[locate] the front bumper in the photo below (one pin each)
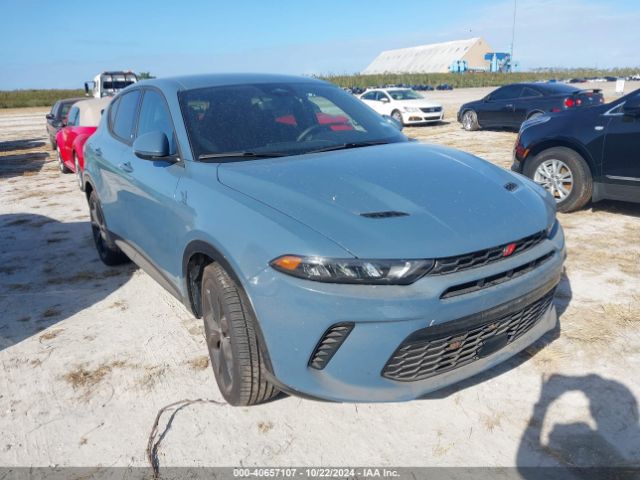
(416, 118)
(294, 314)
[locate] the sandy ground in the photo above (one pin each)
(90, 354)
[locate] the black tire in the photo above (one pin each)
(470, 121)
(108, 251)
(582, 186)
(63, 168)
(398, 116)
(233, 345)
(53, 143)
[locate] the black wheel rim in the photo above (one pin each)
(217, 335)
(98, 228)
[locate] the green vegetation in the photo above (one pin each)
(483, 79)
(35, 98)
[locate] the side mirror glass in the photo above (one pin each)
(393, 122)
(49, 116)
(152, 146)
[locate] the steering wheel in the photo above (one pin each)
(318, 126)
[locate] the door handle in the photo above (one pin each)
(509, 105)
(126, 167)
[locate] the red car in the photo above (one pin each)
(80, 123)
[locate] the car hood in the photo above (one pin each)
(454, 202)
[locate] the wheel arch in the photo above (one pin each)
(547, 144)
(197, 255)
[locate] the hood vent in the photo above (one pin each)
(386, 214)
(511, 186)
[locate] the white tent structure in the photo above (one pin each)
(433, 58)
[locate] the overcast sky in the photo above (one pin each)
(48, 44)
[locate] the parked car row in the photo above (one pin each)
(570, 142)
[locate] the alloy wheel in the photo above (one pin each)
(467, 120)
(556, 177)
(217, 335)
(98, 228)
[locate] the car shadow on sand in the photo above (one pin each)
(576, 450)
(16, 160)
(49, 271)
(617, 207)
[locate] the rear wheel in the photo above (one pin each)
(564, 174)
(233, 345)
(63, 168)
(470, 121)
(108, 252)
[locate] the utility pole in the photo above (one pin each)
(513, 35)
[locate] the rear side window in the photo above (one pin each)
(155, 117)
(504, 93)
(72, 120)
(65, 109)
(530, 92)
(125, 119)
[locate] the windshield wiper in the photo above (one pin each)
(345, 146)
(216, 156)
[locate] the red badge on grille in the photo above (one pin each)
(508, 250)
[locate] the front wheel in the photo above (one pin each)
(470, 121)
(108, 251)
(397, 116)
(564, 174)
(233, 345)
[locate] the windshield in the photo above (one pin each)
(404, 95)
(282, 119)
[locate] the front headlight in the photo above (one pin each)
(410, 109)
(353, 270)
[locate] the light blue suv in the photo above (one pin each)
(328, 255)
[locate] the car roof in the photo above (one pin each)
(189, 82)
(91, 110)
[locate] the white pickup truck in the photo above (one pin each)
(107, 84)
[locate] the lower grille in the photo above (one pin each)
(424, 353)
(329, 344)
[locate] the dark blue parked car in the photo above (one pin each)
(327, 254)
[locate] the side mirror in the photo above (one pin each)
(384, 100)
(393, 122)
(152, 146)
(632, 107)
(487, 98)
(49, 116)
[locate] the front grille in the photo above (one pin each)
(433, 350)
(329, 344)
(497, 279)
(484, 257)
(431, 109)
